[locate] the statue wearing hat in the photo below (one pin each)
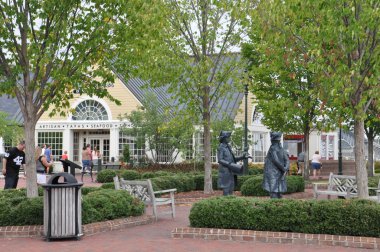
(228, 169)
(275, 168)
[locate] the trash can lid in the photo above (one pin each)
(70, 180)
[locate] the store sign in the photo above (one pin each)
(83, 125)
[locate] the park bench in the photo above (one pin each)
(338, 185)
(143, 190)
(377, 190)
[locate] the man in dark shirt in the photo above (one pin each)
(12, 162)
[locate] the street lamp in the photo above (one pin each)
(245, 160)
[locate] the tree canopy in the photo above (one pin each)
(341, 41)
(50, 48)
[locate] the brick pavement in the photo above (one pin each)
(153, 237)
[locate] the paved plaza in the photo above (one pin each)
(154, 237)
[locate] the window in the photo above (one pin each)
(198, 148)
(327, 147)
(258, 147)
(137, 153)
(54, 139)
(76, 146)
(8, 144)
(90, 110)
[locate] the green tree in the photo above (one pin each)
(372, 129)
(341, 39)
(153, 125)
(49, 48)
(283, 85)
(201, 37)
(9, 130)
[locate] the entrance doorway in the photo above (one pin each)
(102, 144)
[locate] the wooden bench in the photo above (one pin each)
(377, 190)
(143, 190)
(338, 185)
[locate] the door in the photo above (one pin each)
(103, 145)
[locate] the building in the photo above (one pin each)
(95, 121)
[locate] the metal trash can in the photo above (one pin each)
(62, 207)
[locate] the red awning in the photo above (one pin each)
(293, 137)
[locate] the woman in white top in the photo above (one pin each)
(316, 164)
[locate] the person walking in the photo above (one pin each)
(43, 149)
(65, 155)
(86, 158)
(301, 163)
(48, 155)
(12, 162)
(316, 164)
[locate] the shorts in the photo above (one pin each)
(86, 163)
(316, 166)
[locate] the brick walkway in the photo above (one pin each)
(156, 236)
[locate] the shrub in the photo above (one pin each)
(241, 180)
(377, 167)
(181, 183)
(253, 186)
(87, 190)
(29, 212)
(109, 185)
(97, 205)
(177, 167)
(336, 217)
(130, 175)
(105, 176)
(108, 204)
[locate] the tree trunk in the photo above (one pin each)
(306, 173)
(31, 174)
(370, 153)
(361, 171)
(207, 142)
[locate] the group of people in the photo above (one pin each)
(90, 157)
(316, 164)
(14, 160)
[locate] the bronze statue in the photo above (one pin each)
(275, 168)
(228, 169)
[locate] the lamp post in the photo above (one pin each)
(245, 160)
(340, 164)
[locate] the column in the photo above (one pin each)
(114, 143)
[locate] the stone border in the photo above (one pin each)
(88, 229)
(276, 237)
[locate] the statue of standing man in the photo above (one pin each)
(228, 169)
(275, 168)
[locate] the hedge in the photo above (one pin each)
(253, 186)
(97, 205)
(109, 204)
(105, 176)
(336, 217)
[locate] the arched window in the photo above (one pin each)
(90, 110)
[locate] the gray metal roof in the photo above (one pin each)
(226, 106)
(10, 106)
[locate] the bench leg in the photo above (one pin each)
(173, 204)
(154, 211)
